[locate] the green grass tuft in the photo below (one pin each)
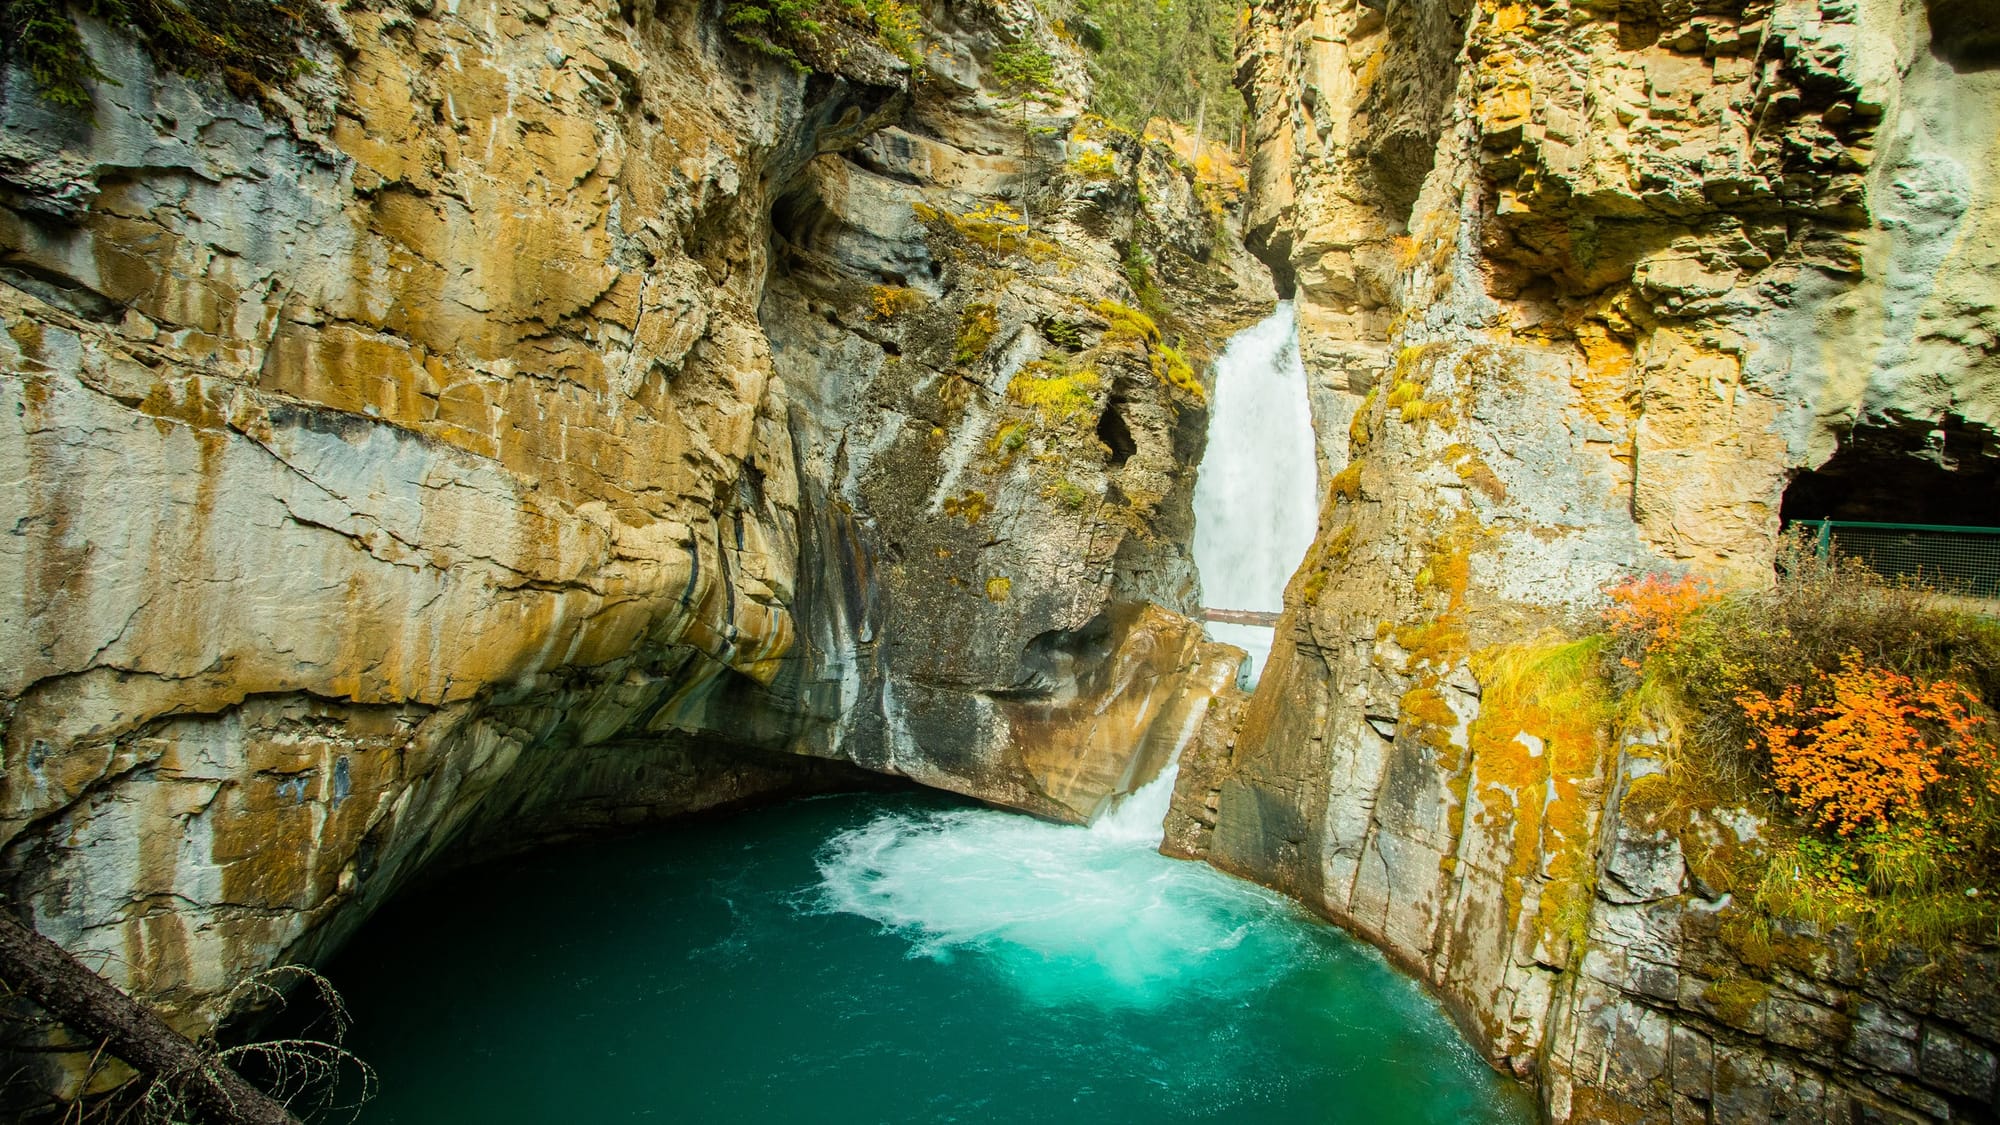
(255, 46)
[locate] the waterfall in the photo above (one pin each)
(1256, 502)
(1096, 913)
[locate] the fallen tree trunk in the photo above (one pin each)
(45, 972)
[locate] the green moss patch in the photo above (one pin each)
(255, 46)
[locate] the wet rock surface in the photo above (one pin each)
(563, 419)
(1661, 259)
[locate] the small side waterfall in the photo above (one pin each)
(1256, 502)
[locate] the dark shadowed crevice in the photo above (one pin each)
(63, 292)
(1407, 106)
(1965, 33)
(1916, 472)
(1271, 244)
(1058, 663)
(1116, 435)
(800, 222)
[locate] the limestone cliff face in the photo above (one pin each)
(1581, 287)
(551, 416)
(976, 394)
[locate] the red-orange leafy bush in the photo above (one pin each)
(1856, 715)
(1647, 613)
(1864, 747)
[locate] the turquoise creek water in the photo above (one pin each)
(911, 959)
(890, 959)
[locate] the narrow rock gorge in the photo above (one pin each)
(527, 422)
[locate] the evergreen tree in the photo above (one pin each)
(1163, 58)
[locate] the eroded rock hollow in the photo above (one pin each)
(535, 419)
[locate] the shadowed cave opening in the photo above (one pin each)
(1965, 33)
(1912, 502)
(1116, 435)
(1946, 472)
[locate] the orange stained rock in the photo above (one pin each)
(1538, 748)
(1605, 379)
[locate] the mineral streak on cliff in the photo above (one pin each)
(1580, 286)
(543, 417)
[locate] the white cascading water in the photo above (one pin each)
(1066, 914)
(1256, 503)
(1097, 914)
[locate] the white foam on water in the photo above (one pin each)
(1067, 913)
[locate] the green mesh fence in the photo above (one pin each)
(1954, 560)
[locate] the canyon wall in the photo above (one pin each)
(542, 418)
(1582, 287)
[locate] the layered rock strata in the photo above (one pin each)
(549, 417)
(1661, 258)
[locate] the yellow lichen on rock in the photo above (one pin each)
(1539, 755)
(1056, 392)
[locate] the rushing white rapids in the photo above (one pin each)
(1066, 914)
(1256, 502)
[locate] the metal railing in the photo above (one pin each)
(1240, 616)
(1950, 559)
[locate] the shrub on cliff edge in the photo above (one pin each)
(805, 34)
(1856, 715)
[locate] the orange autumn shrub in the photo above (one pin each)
(1856, 716)
(1876, 748)
(1647, 614)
